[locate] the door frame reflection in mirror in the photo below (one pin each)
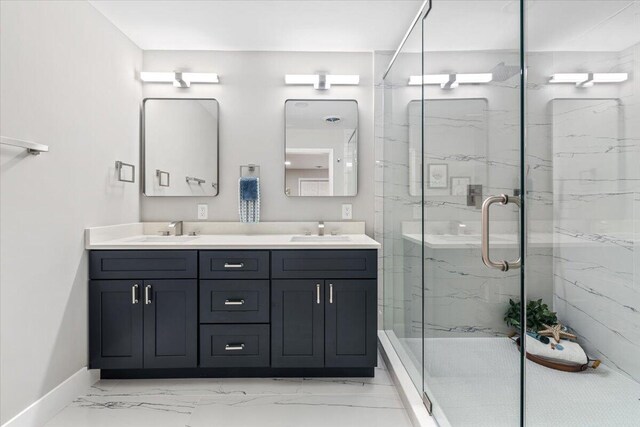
(143, 182)
(321, 150)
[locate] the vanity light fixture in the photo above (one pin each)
(179, 79)
(322, 81)
(450, 81)
(588, 79)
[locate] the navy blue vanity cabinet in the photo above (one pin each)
(234, 309)
(329, 320)
(350, 323)
(115, 324)
(170, 323)
(297, 323)
(143, 309)
(233, 313)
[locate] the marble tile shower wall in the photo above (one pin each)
(595, 151)
(583, 202)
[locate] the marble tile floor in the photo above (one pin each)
(243, 402)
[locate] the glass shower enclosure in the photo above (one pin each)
(510, 173)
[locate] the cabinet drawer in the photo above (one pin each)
(234, 301)
(228, 346)
(331, 264)
(143, 264)
(234, 264)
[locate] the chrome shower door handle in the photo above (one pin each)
(503, 265)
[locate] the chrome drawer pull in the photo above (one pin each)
(330, 293)
(134, 294)
(232, 265)
(233, 347)
(147, 296)
(234, 302)
(318, 293)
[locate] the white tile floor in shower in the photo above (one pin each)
(247, 402)
(476, 383)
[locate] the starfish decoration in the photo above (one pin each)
(556, 332)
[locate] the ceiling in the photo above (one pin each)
(269, 25)
(368, 25)
(311, 114)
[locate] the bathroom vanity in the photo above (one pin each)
(232, 306)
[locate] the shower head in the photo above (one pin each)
(503, 72)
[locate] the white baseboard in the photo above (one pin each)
(45, 408)
(407, 390)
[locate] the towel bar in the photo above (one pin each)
(198, 181)
(31, 147)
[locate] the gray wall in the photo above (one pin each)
(251, 94)
(67, 80)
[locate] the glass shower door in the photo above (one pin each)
(468, 171)
(583, 207)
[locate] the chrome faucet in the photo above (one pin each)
(177, 227)
(321, 228)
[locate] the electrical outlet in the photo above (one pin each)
(347, 211)
(203, 211)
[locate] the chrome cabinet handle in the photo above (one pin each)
(234, 302)
(233, 347)
(503, 265)
(147, 294)
(330, 293)
(318, 293)
(134, 294)
(233, 265)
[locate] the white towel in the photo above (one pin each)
(249, 209)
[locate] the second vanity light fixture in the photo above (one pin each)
(450, 81)
(588, 79)
(322, 81)
(178, 78)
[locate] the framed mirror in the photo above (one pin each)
(456, 130)
(180, 147)
(321, 148)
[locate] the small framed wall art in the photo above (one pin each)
(460, 185)
(438, 175)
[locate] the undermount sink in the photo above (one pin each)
(320, 239)
(161, 239)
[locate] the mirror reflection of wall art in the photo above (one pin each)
(321, 148)
(438, 175)
(459, 185)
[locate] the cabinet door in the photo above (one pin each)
(170, 323)
(115, 324)
(297, 323)
(350, 323)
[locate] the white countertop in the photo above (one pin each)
(139, 236)
(503, 240)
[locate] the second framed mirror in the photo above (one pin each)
(321, 148)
